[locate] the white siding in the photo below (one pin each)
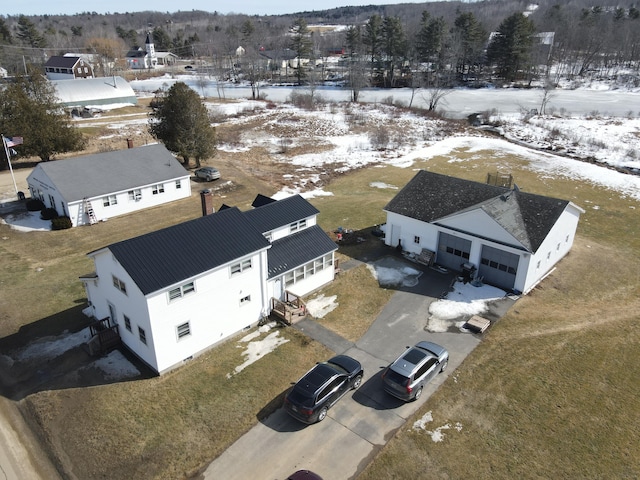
(101, 292)
(554, 247)
(214, 311)
(285, 230)
(478, 223)
(42, 187)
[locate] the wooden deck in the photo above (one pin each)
(290, 310)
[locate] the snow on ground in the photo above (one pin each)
(115, 366)
(437, 435)
(26, 222)
(256, 349)
(52, 347)
(460, 304)
(320, 306)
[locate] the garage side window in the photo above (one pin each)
(157, 189)
(110, 200)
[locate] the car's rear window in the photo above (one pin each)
(395, 377)
(414, 356)
(301, 397)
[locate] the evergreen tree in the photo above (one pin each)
(30, 108)
(301, 44)
(356, 67)
(5, 33)
(394, 47)
(510, 48)
(468, 43)
(161, 39)
(372, 38)
(28, 33)
(180, 120)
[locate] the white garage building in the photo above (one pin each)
(510, 238)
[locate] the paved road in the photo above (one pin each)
(362, 422)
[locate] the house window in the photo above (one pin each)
(240, 267)
(110, 200)
(142, 335)
(135, 195)
(183, 330)
(119, 284)
(558, 247)
(127, 323)
(294, 227)
(181, 291)
(178, 184)
(548, 255)
(245, 299)
(538, 264)
(566, 240)
(288, 279)
(157, 189)
(416, 239)
(52, 201)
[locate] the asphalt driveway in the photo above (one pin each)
(361, 423)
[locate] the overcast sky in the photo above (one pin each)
(249, 7)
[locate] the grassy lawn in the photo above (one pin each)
(550, 392)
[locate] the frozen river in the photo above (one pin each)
(458, 103)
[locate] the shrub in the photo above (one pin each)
(34, 205)
(48, 214)
(61, 223)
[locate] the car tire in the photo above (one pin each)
(357, 382)
(444, 366)
(209, 179)
(418, 394)
(323, 414)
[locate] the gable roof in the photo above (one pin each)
(430, 197)
(261, 200)
(283, 212)
(297, 249)
(62, 62)
(171, 255)
(104, 173)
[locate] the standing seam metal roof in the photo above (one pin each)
(166, 257)
(273, 215)
(430, 197)
(297, 249)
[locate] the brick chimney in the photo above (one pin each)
(129, 143)
(206, 199)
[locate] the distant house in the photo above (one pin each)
(94, 92)
(174, 293)
(166, 59)
(138, 58)
(67, 68)
(509, 238)
(97, 187)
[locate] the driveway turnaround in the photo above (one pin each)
(361, 423)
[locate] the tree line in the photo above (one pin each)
(433, 44)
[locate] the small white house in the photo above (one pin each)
(174, 293)
(509, 238)
(94, 188)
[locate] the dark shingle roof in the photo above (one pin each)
(297, 249)
(104, 173)
(262, 200)
(283, 212)
(171, 255)
(430, 197)
(62, 62)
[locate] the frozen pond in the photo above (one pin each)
(458, 103)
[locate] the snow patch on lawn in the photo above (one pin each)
(437, 435)
(320, 306)
(257, 349)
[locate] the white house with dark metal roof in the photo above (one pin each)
(509, 238)
(174, 293)
(94, 188)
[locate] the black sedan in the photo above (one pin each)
(321, 387)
